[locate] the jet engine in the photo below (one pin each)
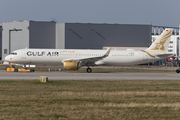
(71, 65)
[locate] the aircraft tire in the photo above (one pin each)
(177, 71)
(89, 70)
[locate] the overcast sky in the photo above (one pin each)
(157, 12)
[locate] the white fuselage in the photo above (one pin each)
(57, 56)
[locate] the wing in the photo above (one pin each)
(89, 59)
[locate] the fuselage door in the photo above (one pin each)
(23, 55)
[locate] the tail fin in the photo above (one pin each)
(160, 45)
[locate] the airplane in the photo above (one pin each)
(73, 59)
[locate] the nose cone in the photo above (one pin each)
(7, 58)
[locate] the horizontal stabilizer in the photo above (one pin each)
(165, 55)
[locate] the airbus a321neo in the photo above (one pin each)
(73, 59)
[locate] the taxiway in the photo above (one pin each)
(4, 75)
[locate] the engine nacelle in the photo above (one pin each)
(71, 65)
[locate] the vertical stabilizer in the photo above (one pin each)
(160, 45)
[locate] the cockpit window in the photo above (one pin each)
(13, 53)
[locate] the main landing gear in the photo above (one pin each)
(89, 70)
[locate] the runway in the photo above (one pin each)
(4, 75)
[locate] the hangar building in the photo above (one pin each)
(36, 34)
(96, 36)
(0, 42)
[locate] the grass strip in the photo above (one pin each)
(100, 99)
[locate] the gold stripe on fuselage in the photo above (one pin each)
(149, 54)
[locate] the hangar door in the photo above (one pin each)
(15, 40)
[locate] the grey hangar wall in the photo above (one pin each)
(96, 36)
(52, 35)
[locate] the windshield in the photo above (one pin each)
(14, 53)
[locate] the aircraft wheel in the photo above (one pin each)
(177, 71)
(89, 70)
